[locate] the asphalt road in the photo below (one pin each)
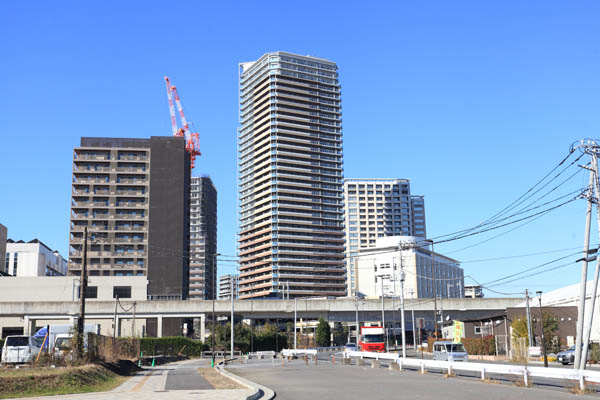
(296, 381)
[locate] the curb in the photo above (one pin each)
(260, 392)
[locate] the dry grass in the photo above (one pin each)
(449, 375)
(521, 383)
(491, 381)
(217, 380)
(52, 381)
(578, 391)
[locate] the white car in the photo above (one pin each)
(19, 349)
(350, 347)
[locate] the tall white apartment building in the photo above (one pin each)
(33, 258)
(290, 178)
(375, 208)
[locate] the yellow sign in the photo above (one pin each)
(459, 330)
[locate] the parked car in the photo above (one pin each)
(448, 351)
(19, 349)
(566, 356)
(350, 347)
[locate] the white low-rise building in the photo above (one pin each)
(33, 258)
(382, 267)
(43, 289)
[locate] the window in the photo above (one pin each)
(91, 292)
(15, 259)
(122, 292)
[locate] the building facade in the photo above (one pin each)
(473, 291)
(133, 196)
(3, 258)
(33, 258)
(203, 239)
(381, 268)
(227, 285)
(290, 175)
(375, 208)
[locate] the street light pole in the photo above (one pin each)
(214, 294)
(357, 327)
(232, 322)
(539, 293)
(295, 318)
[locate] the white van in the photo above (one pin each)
(19, 349)
(448, 351)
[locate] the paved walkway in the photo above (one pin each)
(178, 380)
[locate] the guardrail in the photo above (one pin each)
(262, 354)
(580, 375)
(298, 352)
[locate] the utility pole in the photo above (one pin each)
(295, 319)
(133, 334)
(412, 306)
(214, 294)
(393, 303)
(82, 290)
(357, 327)
(588, 318)
(383, 307)
(402, 313)
(435, 322)
(584, 267)
(232, 322)
(539, 293)
(115, 324)
(528, 312)
(402, 321)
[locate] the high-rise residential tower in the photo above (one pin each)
(133, 195)
(203, 239)
(376, 208)
(290, 175)
(227, 285)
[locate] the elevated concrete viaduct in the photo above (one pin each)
(152, 316)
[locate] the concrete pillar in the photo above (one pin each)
(202, 326)
(26, 325)
(159, 326)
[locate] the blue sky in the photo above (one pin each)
(473, 101)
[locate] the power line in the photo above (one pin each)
(532, 268)
(523, 255)
(517, 201)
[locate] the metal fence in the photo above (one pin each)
(526, 372)
(109, 349)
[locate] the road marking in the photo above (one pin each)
(141, 383)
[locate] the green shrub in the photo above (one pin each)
(172, 346)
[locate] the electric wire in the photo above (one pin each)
(516, 202)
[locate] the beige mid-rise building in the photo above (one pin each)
(290, 178)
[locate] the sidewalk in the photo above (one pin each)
(150, 384)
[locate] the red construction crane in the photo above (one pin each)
(192, 139)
